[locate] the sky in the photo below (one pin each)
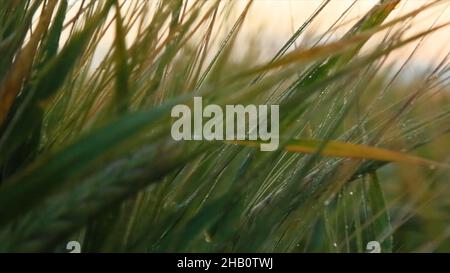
(275, 21)
(270, 23)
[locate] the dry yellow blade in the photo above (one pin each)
(349, 150)
(11, 85)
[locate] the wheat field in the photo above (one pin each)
(86, 153)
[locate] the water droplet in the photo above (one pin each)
(335, 244)
(351, 193)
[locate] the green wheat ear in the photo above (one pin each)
(86, 92)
